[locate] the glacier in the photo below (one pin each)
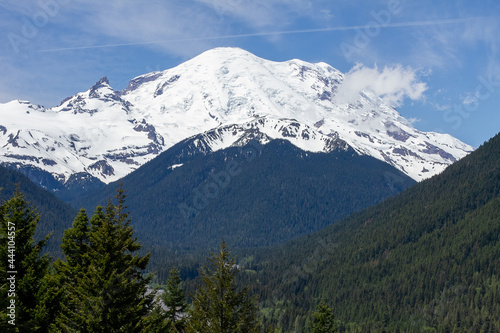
(227, 95)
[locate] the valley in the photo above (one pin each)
(325, 197)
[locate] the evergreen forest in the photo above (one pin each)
(426, 260)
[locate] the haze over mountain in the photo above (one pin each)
(101, 135)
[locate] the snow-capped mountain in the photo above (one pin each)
(227, 95)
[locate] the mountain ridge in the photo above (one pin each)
(252, 195)
(424, 259)
(55, 215)
(102, 135)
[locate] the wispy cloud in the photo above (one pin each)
(132, 23)
(91, 38)
(446, 46)
(123, 32)
(260, 13)
(177, 28)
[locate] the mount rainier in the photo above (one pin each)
(224, 97)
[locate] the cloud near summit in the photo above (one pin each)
(392, 84)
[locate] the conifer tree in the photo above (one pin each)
(323, 320)
(175, 301)
(76, 240)
(74, 245)
(23, 269)
(105, 287)
(217, 305)
(173, 319)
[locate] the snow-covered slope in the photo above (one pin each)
(91, 132)
(230, 94)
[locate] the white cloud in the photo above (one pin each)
(412, 121)
(440, 107)
(392, 84)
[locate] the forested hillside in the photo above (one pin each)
(256, 195)
(55, 215)
(426, 259)
(99, 285)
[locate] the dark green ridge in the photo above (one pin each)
(426, 259)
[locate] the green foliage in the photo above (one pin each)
(217, 305)
(170, 313)
(424, 260)
(104, 288)
(323, 320)
(277, 193)
(55, 215)
(75, 241)
(24, 263)
(175, 300)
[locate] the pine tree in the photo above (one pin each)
(217, 305)
(76, 240)
(173, 319)
(105, 287)
(74, 245)
(323, 320)
(175, 301)
(22, 263)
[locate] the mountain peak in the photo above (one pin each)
(224, 56)
(103, 81)
(100, 97)
(239, 95)
(227, 52)
(102, 84)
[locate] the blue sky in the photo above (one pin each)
(437, 61)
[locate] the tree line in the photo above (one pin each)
(100, 284)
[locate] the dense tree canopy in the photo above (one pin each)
(23, 268)
(103, 282)
(426, 260)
